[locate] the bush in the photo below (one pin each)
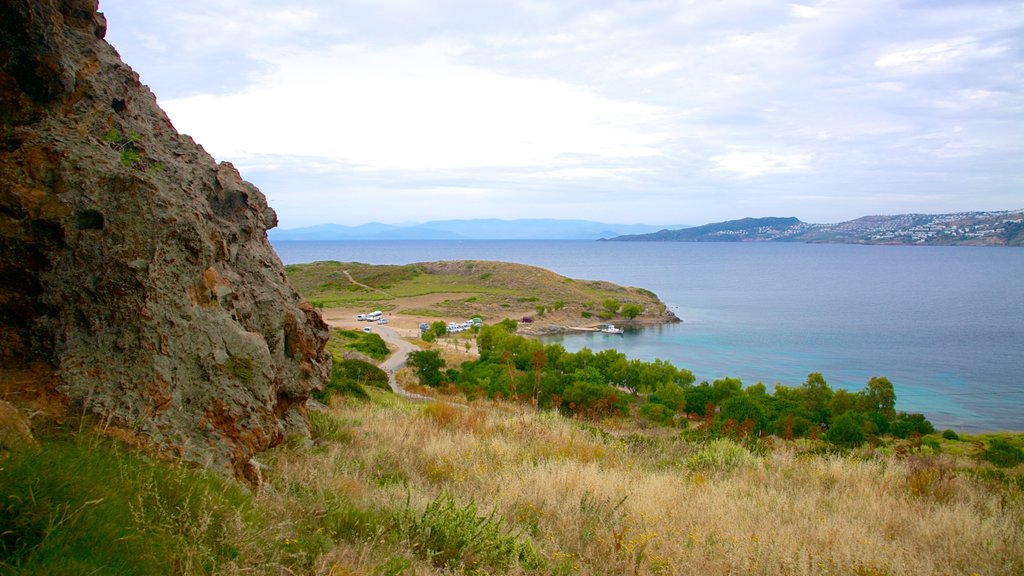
(846, 431)
(907, 424)
(720, 453)
(742, 408)
(1003, 454)
(428, 365)
(455, 537)
(347, 378)
(656, 412)
(950, 434)
(370, 344)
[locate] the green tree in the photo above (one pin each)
(879, 396)
(611, 308)
(631, 310)
(435, 331)
(428, 365)
(669, 395)
(741, 408)
(815, 397)
(906, 424)
(846, 431)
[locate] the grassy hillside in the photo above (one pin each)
(387, 486)
(461, 289)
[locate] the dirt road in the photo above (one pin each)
(393, 363)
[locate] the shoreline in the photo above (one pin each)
(408, 324)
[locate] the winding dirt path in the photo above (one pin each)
(393, 363)
(361, 285)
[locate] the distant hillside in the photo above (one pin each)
(1005, 228)
(460, 289)
(745, 230)
(482, 229)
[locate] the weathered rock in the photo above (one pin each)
(131, 262)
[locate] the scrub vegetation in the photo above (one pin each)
(528, 459)
(389, 486)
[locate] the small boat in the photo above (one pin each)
(611, 329)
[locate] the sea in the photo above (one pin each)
(944, 323)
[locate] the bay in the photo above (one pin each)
(945, 324)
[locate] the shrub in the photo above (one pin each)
(1003, 454)
(846, 431)
(742, 408)
(632, 310)
(720, 453)
(455, 537)
(323, 426)
(950, 434)
(370, 344)
(907, 424)
(346, 378)
(427, 365)
(656, 412)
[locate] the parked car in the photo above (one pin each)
(367, 329)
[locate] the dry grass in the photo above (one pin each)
(595, 503)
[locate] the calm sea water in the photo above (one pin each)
(945, 324)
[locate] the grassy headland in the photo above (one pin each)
(457, 290)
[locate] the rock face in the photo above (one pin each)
(131, 263)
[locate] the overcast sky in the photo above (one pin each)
(654, 112)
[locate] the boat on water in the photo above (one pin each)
(611, 329)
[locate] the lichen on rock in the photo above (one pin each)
(131, 262)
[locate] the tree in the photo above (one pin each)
(815, 397)
(631, 310)
(741, 408)
(435, 331)
(428, 365)
(846, 431)
(611, 308)
(879, 396)
(670, 396)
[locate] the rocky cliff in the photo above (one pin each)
(136, 279)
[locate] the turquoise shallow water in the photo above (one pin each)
(945, 324)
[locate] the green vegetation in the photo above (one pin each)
(241, 368)
(348, 376)
(368, 343)
(435, 331)
(125, 145)
(388, 486)
(88, 505)
(428, 365)
(1003, 454)
(606, 383)
(450, 535)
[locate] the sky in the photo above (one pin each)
(654, 112)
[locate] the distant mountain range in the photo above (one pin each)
(490, 229)
(1004, 228)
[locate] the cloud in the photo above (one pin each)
(415, 108)
(604, 106)
(753, 164)
(937, 55)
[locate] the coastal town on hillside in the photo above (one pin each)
(1002, 228)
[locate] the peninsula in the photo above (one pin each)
(542, 301)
